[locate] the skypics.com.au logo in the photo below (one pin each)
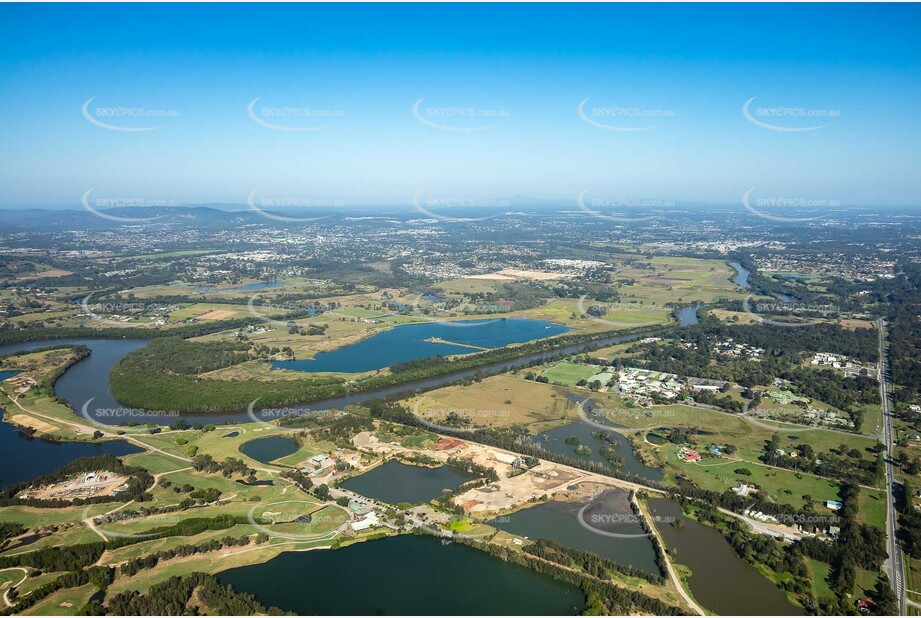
(430, 207)
(126, 119)
(787, 209)
(622, 119)
(618, 522)
(426, 312)
(806, 314)
(277, 208)
(620, 209)
(458, 420)
(122, 202)
(458, 119)
(292, 119)
(788, 119)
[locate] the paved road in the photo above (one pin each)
(895, 562)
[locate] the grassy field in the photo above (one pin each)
(30, 515)
(718, 474)
(725, 428)
(670, 279)
(819, 572)
(9, 579)
(499, 401)
(912, 577)
(470, 286)
(872, 506)
(67, 602)
(156, 463)
(222, 311)
(37, 581)
(221, 445)
(568, 374)
(733, 317)
(872, 419)
(307, 450)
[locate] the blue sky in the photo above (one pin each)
(510, 76)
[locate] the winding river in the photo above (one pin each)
(85, 385)
(741, 276)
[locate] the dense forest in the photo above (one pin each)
(195, 594)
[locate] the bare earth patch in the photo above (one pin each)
(53, 272)
(38, 425)
(491, 277)
(218, 314)
(83, 485)
(535, 275)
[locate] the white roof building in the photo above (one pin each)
(366, 522)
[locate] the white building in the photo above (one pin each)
(366, 522)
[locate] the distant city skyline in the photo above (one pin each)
(458, 106)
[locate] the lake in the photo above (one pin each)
(25, 458)
(404, 575)
(720, 580)
(395, 482)
(270, 448)
(558, 521)
(408, 342)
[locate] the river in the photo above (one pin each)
(88, 380)
(741, 277)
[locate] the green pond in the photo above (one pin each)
(269, 448)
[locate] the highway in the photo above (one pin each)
(895, 562)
